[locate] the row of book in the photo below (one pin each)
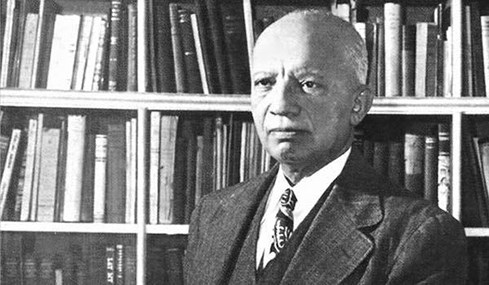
(414, 59)
(82, 168)
(43, 48)
(86, 259)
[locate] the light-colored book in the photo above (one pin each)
(37, 167)
(6, 181)
(81, 56)
(392, 52)
(425, 40)
(485, 49)
(131, 161)
(46, 199)
(154, 165)
(29, 169)
(199, 53)
(75, 151)
(7, 43)
(168, 134)
(63, 52)
(99, 60)
(28, 47)
(100, 178)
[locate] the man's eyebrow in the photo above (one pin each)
(260, 73)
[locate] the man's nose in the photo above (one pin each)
(284, 99)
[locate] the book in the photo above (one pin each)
(114, 44)
(484, 154)
(46, 197)
(392, 51)
(414, 145)
(130, 264)
(425, 66)
(467, 72)
(192, 73)
(444, 173)
(431, 168)
(479, 83)
(165, 74)
(380, 59)
(132, 47)
(98, 31)
(82, 48)
(7, 47)
(235, 46)
(87, 192)
(395, 163)
(200, 54)
(63, 52)
(168, 132)
(37, 167)
(174, 262)
(99, 75)
(61, 170)
(154, 166)
(177, 46)
(110, 256)
(131, 175)
(116, 171)
(181, 180)
(29, 169)
(28, 46)
(14, 214)
(199, 178)
(381, 156)
(217, 42)
(408, 54)
(119, 263)
(74, 168)
(485, 49)
(5, 182)
(100, 178)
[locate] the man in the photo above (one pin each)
(323, 216)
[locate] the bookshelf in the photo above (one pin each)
(141, 102)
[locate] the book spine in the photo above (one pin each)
(74, 168)
(8, 34)
(154, 166)
(484, 154)
(392, 39)
(28, 45)
(132, 48)
(178, 56)
(110, 257)
(200, 54)
(395, 167)
(408, 56)
(48, 174)
(29, 170)
(414, 162)
(444, 172)
(132, 196)
(5, 183)
(119, 265)
(98, 73)
(163, 49)
(86, 212)
(63, 51)
(100, 178)
(61, 169)
(81, 55)
(485, 49)
(477, 53)
(37, 167)
(193, 79)
(130, 264)
(431, 168)
(92, 53)
(380, 59)
(116, 171)
(168, 133)
(115, 19)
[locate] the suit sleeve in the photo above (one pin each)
(434, 253)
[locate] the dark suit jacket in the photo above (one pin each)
(368, 231)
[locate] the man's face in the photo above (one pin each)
(302, 96)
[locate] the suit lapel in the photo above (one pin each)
(230, 226)
(334, 245)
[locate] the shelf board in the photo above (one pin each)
(40, 98)
(477, 232)
(167, 229)
(69, 227)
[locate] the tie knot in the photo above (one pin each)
(288, 199)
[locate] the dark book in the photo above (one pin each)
(180, 181)
(414, 162)
(372, 46)
(440, 50)
(12, 260)
(218, 44)
(86, 214)
(395, 167)
(193, 79)
(174, 263)
(467, 71)
(380, 59)
(30, 274)
(408, 54)
(431, 168)
(165, 74)
(236, 47)
(475, 205)
(46, 270)
(178, 56)
(190, 137)
(478, 80)
(61, 177)
(132, 84)
(234, 151)
(114, 45)
(381, 156)
(208, 157)
(130, 264)
(116, 171)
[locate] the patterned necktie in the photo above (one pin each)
(284, 223)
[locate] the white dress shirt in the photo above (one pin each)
(307, 191)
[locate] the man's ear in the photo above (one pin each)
(361, 105)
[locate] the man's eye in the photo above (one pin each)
(265, 82)
(309, 85)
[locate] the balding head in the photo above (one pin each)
(322, 31)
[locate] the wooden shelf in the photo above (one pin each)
(167, 229)
(218, 102)
(68, 227)
(477, 232)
